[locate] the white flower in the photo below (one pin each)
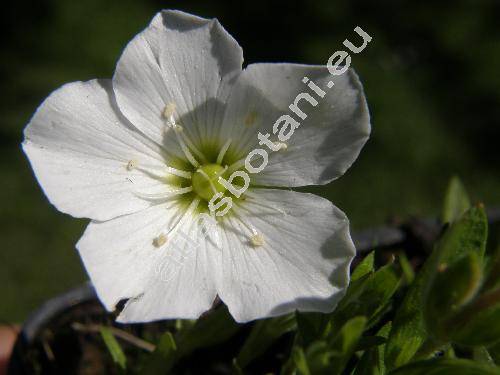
(133, 154)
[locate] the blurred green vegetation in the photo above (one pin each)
(429, 74)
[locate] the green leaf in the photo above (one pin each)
(481, 354)
(319, 357)
(330, 356)
(215, 327)
(478, 323)
(408, 332)
(368, 342)
(452, 288)
(456, 201)
(345, 342)
(163, 358)
(446, 367)
(365, 267)
(493, 271)
(114, 347)
(312, 326)
(468, 234)
(494, 351)
(367, 296)
(372, 360)
(236, 368)
(300, 361)
(408, 273)
(264, 333)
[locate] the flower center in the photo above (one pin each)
(205, 181)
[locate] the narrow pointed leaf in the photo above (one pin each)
(456, 201)
(114, 347)
(300, 361)
(365, 267)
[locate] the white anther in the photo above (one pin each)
(160, 240)
(132, 164)
(257, 240)
(168, 112)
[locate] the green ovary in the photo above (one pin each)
(205, 181)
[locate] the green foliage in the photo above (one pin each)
(408, 273)
(466, 235)
(442, 303)
(217, 326)
(372, 361)
(163, 358)
(263, 334)
(446, 367)
(456, 201)
(443, 319)
(114, 347)
(312, 326)
(330, 356)
(478, 323)
(365, 267)
(368, 295)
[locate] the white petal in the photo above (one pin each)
(174, 280)
(179, 61)
(302, 262)
(79, 147)
(327, 141)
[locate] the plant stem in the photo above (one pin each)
(125, 336)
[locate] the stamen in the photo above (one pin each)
(164, 195)
(168, 112)
(158, 172)
(132, 164)
(179, 173)
(194, 204)
(223, 151)
(160, 240)
(193, 147)
(256, 239)
(189, 156)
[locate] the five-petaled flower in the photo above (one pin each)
(140, 155)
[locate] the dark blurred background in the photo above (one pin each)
(430, 76)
